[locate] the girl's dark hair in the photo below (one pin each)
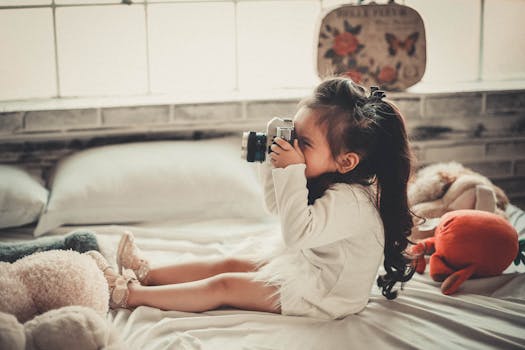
(374, 129)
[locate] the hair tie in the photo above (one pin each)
(376, 94)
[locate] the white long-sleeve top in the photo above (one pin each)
(335, 244)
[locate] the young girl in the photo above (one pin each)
(341, 194)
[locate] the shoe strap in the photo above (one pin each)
(119, 291)
(143, 270)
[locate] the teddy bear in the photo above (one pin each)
(467, 243)
(40, 291)
(443, 187)
(69, 327)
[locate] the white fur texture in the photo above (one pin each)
(430, 182)
(12, 335)
(15, 299)
(72, 327)
(50, 280)
(442, 187)
(433, 181)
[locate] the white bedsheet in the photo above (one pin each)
(487, 313)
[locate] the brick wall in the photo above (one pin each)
(483, 130)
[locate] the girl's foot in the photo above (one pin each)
(117, 284)
(129, 256)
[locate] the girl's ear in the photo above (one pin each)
(347, 162)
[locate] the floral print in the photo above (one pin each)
(371, 51)
(387, 74)
(345, 44)
(356, 76)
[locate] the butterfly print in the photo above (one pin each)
(409, 44)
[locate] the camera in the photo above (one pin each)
(255, 145)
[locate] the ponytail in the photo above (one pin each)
(392, 163)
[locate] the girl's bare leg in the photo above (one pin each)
(235, 289)
(194, 271)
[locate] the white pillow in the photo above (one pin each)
(22, 198)
(151, 181)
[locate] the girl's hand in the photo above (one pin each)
(283, 153)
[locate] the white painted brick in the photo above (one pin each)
(204, 112)
(466, 127)
(511, 186)
(491, 168)
(519, 168)
(410, 107)
(452, 106)
(135, 115)
(510, 149)
(457, 153)
(12, 147)
(53, 155)
(268, 110)
(505, 101)
(11, 122)
(503, 124)
(61, 119)
(459, 144)
(9, 157)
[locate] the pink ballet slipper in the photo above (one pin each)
(129, 256)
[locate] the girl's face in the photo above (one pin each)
(313, 143)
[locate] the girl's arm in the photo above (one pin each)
(339, 214)
(265, 173)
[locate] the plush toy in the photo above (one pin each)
(441, 184)
(443, 187)
(62, 296)
(50, 280)
(467, 243)
(70, 327)
(81, 241)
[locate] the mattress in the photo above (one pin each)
(486, 313)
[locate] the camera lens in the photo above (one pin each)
(253, 146)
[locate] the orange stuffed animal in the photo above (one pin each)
(467, 243)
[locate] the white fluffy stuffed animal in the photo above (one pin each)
(443, 187)
(47, 285)
(70, 327)
(49, 280)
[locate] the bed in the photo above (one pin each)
(198, 199)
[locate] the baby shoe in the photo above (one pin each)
(129, 256)
(117, 284)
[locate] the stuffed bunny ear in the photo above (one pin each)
(485, 198)
(451, 284)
